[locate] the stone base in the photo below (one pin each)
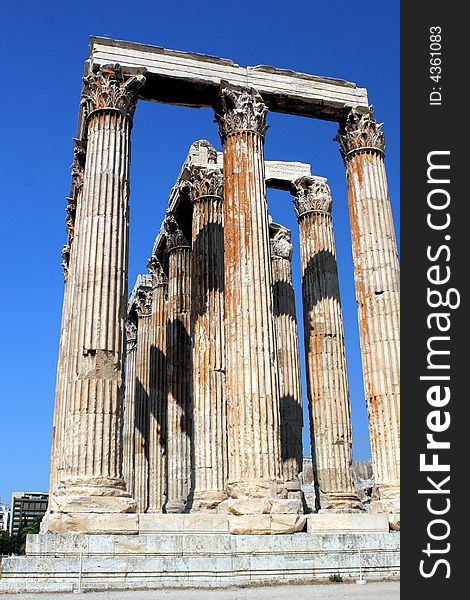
(386, 499)
(207, 501)
(347, 523)
(177, 524)
(108, 523)
(112, 562)
(341, 503)
(237, 524)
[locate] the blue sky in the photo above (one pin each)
(44, 46)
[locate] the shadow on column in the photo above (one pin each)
(207, 267)
(180, 387)
(322, 271)
(320, 281)
(142, 413)
(284, 300)
(158, 409)
(291, 413)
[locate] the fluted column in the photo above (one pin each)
(178, 361)
(207, 308)
(143, 308)
(93, 480)
(285, 321)
(69, 252)
(129, 404)
(376, 274)
(157, 406)
(327, 378)
(252, 386)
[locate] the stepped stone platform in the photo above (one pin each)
(65, 562)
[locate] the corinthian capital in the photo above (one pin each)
(155, 269)
(109, 88)
(241, 109)
(143, 303)
(205, 183)
(360, 132)
(281, 245)
(312, 194)
(65, 255)
(175, 237)
(78, 165)
(131, 333)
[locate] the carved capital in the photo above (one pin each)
(241, 109)
(131, 334)
(174, 235)
(108, 88)
(155, 269)
(205, 183)
(143, 303)
(71, 210)
(65, 255)
(78, 164)
(360, 132)
(281, 245)
(312, 195)
(199, 145)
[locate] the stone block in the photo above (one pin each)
(183, 523)
(248, 506)
(250, 524)
(288, 523)
(94, 523)
(289, 506)
(343, 522)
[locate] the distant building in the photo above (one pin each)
(4, 516)
(25, 507)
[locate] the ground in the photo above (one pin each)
(333, 591)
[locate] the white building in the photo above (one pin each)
(4, 516)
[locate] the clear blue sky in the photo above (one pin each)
(43, 48)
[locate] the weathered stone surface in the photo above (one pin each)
(183, 523)
(93, 396)
(289, 506)
(327, 383)
(248, 506)
(285, 322)
(377, 280)
(253, 524)
(181, 560)
(251, 384)
(129, 403)
(208, 337)
(157, 442)
(179, 369)
(342, 522)
(94, 522)
(285, 90)
(287, 523)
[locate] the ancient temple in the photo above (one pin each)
(179, 408)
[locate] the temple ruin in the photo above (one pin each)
(178, 409)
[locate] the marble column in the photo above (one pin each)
(285, 321)
(68, 260)
(128, 435)
(327, 378)
(157, 406)
(143, 308)
(252, 386)
(207, 309)
(180, 446)
(376, 274)
(92, 495)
